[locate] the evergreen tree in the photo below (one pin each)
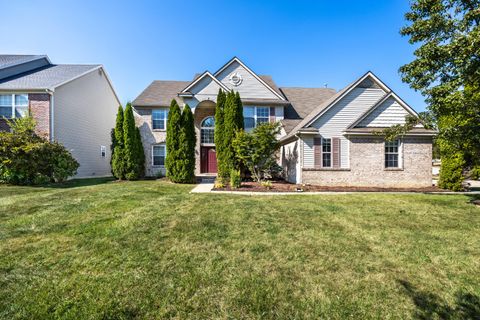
(239, 112)
(118, 167)
(173, 159)
(141, 153)
(230, 129)
(132, 161)
(219, 133)
(187, 147)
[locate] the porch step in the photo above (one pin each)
(207, 179)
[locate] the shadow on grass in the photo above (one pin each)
(74, 183)
(431, 306)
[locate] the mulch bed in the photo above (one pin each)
(283, 186)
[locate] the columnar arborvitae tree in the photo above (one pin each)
(173, 160)
(131, 140)
(219, 133)
(118, 167)
(231, 126)
(140, 153)
(187, 140)
(239, 111)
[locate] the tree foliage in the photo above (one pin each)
(446, 72)
(256, 150)
(134, 162)
(173, 159)
(219, 133)
(27, 158)
(118, 167)
(187, 147)
(233, 123)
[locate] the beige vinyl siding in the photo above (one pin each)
(250, 88)
(389, 113)
(84, 114)
(334, 122)
(308, 155)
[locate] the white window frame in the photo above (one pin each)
(165, 110)
(103, 151)
(256, 117)
(164, 156)
(202, 128)
(329, 153)
(14, 106)
(398, 153)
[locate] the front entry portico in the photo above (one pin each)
(208, 160)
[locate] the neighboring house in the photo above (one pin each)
(328, 137)
(71, 103)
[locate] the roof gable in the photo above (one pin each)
(388, 111)
(201, 82)
(251, 85)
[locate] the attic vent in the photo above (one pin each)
(236, 79)
(368, 83)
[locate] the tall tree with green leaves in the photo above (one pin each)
(187, 147)
(140, 153)
(118, 167)
(133, 167)
(219, 133)
(230, 129)
(446, 71)
(173, 159)
(239, 111)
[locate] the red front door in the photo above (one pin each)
(208, 160)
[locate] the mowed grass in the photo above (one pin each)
(98, 249)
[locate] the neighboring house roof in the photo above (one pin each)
(9, 60)
(46, 77)
(160, 93)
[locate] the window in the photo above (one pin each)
(253, 116)
(158, 155)
(13, 105)
(207, 131)
(391, 154)
(103, 151)
(159, 119)
(326, 152)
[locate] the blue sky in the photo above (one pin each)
(299, 43)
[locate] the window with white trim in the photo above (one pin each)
(253, 116)
(326, 152)
(207, 131)
(159, 152)
(392, 149)
(13, 105)
(159, 119)
(103, 151)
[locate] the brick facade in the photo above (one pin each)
(39, 108)
(367, 166)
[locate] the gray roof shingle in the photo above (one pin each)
(7, 60)
(160, 93)
(46, 77)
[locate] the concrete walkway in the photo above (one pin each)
(202, 188)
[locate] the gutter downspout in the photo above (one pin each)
(52, 114)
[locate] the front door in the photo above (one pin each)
(208, 160)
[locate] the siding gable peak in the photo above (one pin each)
(198, 79)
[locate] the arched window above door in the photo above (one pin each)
(207, 130)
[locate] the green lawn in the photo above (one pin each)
(98, 249)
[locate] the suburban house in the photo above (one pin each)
(328, 138)
(73, 104)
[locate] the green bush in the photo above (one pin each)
(174, 158)
(133, 161)
(235, 179)
(118, 159)
(475, 173)
(26, 158)
(267, 184)
(187, 141)
(451, 172)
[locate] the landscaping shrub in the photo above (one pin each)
(451, 172)
(235, 179)
(475, 173)
(233, 123)
(173, 158)
(266, 184)
(27, 158)
(256, 150)
(219, 134)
